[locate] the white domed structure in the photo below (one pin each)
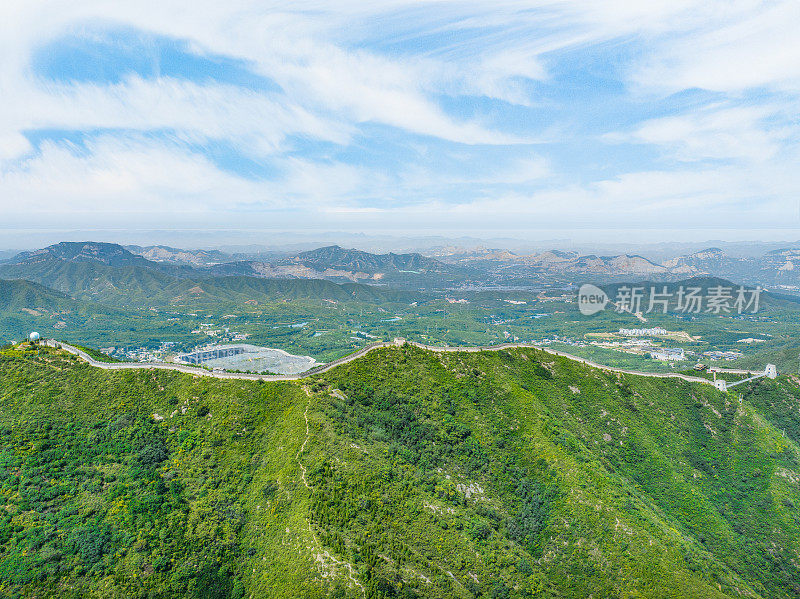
(34, 337)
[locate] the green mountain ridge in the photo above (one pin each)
(96, 281)
(83, 251)
(357, 260)
(405, 473)
(328, 263)
(134, 286)
(21, 294)
(26, 306)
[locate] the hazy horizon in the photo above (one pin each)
(611, 242)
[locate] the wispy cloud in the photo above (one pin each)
(544, 110)
(749, 133)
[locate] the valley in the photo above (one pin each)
(108, 298)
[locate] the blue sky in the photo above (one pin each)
(439, 117)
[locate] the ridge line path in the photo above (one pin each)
(354, 356)
(303, 446)
(326, 554)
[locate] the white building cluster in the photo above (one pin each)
(669, 354)
(654, 332)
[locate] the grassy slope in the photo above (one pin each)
(580, 483)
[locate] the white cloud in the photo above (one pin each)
(337, 79)
(290, 47)
(314, 184)
(122, 177)
(525, 170)
(726, 197)
(135, 175)
(730, 47)
(256, 121)
(13, 145)
(715, 133)
(366, 88)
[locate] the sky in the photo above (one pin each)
(651, 119)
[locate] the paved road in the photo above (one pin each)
(354, 356)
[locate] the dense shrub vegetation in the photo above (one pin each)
(402, 474)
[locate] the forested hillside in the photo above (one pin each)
(131, 286)
(402, 474)
(21, 295)
(26, 306)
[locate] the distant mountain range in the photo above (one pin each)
(340, 264)
(558, 262)
(332, 257)
(112, 275)
(777, 267)
(170, 255)
(101, 271)
(332, 262)
(69, 251)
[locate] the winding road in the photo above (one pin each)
(354, 356)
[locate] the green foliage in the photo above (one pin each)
(526, 527)
(402, 474)
(97, 355)
(100, 494)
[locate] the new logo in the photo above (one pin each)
(591, 299)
